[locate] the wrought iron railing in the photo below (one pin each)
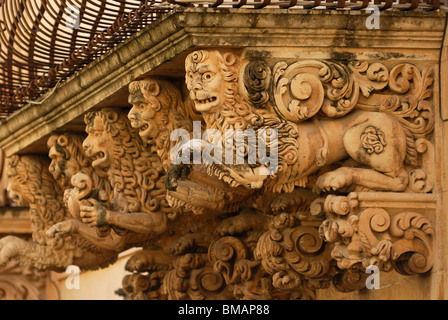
(45, 41)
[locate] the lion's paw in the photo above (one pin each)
(61, 229)
(335, 180)
(182, 245)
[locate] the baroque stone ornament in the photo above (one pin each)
(31, 184)
(309, 172)
(340, 128)
(344, 130)
(374, 236)
(21, 283)
(158, 111)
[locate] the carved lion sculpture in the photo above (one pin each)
(135, 175)
(32, 185)
(69, 163)
(158, 110)
(376, 141)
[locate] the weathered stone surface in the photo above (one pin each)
(337, 171)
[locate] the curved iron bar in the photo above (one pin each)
(38, 50)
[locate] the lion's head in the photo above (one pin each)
(212, 81)
(135, 175)
(67, 157)
(98, 145)
(157, 110)
(31, 184)
(231, 95)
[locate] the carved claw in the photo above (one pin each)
(182, 245)
(10, 248)
(190, 242)
(62, 229)
(176, 172)
(241, 223)
(333, 181)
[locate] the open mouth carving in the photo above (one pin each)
(98, 156)
(209, 100)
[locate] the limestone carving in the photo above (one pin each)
(32, 185)
(134, 174)
(21, 283)
(380, 141)
(69, 163)
(338, 128)
(148, 267)
(158, 110)
(294, 254)
(320, 186)
(373, 236)
(71, 167)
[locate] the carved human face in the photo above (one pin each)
(206, 84)
(98, 146)
(15, 194)
(62, 167)
(15, 181)
(145, 115)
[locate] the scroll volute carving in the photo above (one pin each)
(148, 267)
(192, 275)
(372, 236)
(294, 254)
(232, 258)
(21, 283)
(372, 114)
(304, 88)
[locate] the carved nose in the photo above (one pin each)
(85, 145)
(196, 84)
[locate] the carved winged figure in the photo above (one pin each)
(324, 119)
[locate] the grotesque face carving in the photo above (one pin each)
(62, 165)
(145, 114)
(17, 177)
(14, 194)
(205, 79)
(98, 144)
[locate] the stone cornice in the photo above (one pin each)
(401, 33)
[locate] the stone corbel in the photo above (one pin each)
(369, 229)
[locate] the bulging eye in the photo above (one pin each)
(207, 76)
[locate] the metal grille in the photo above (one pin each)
(45, 41)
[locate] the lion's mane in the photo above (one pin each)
(237, 113)
(176, 112)
(136, 175)
(71, 149)
(30, 175)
